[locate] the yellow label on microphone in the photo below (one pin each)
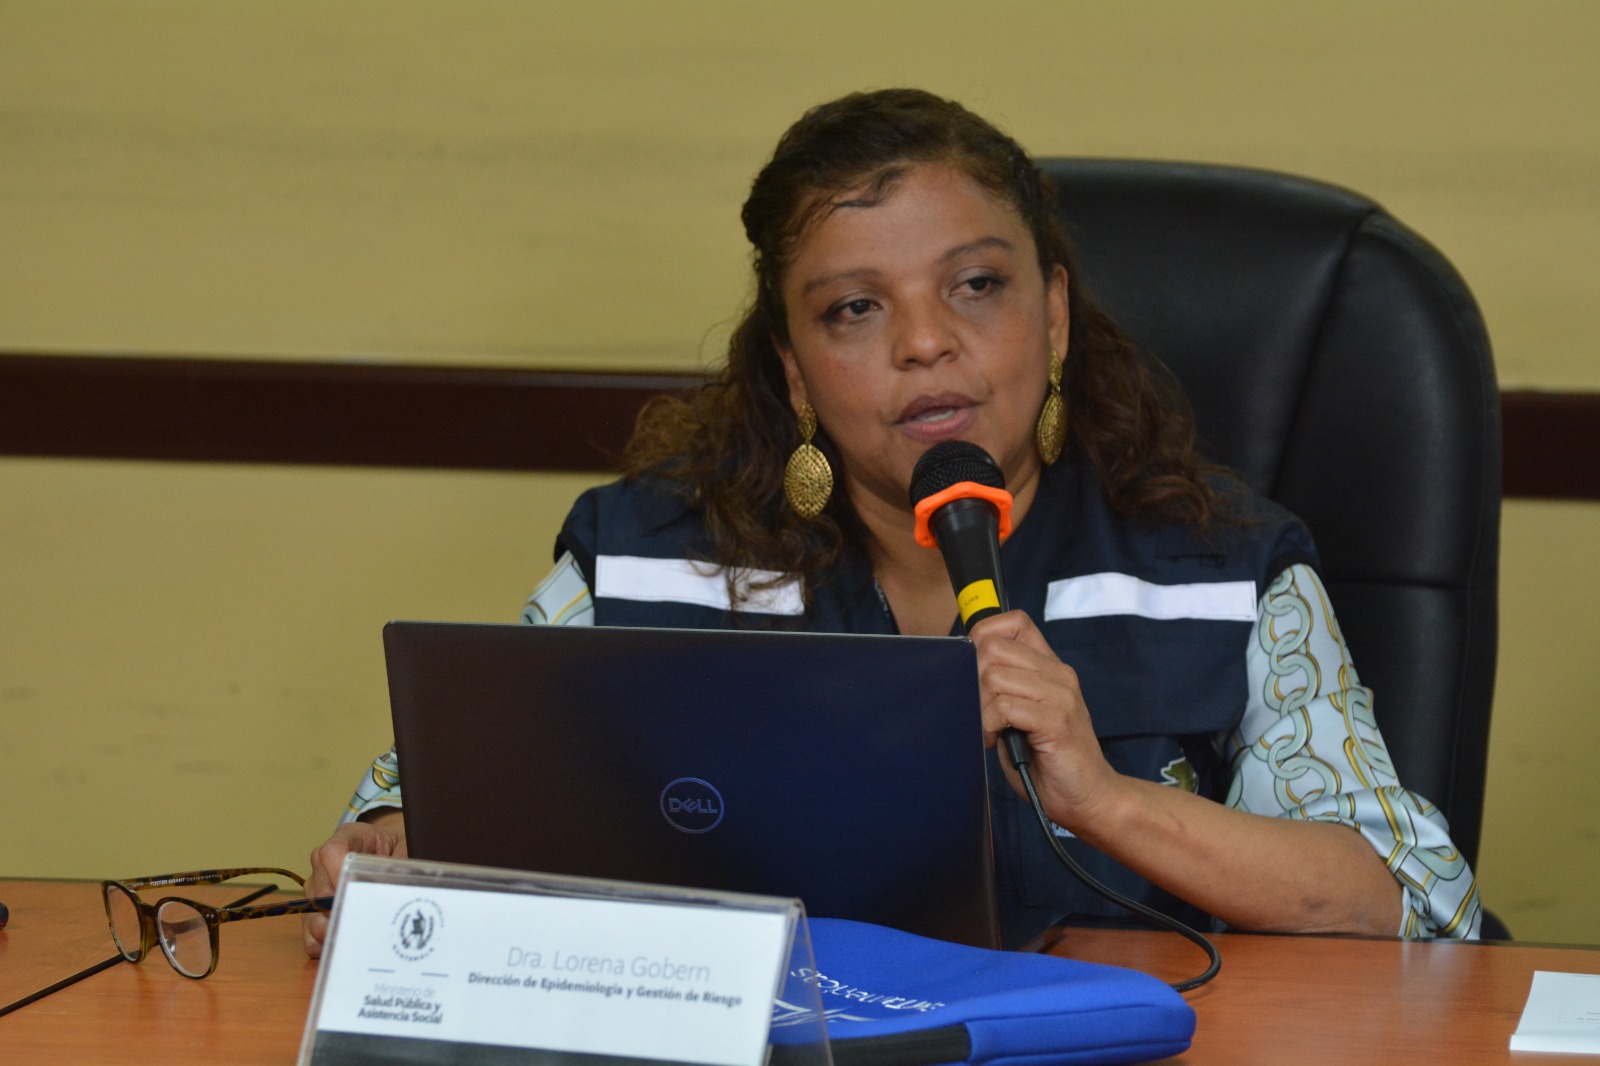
(975, 597)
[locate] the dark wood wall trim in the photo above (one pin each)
(1551, 445)
(342, 414)
(367, 414)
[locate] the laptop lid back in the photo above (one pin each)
(845, 770)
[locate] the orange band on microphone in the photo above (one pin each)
(962, 490)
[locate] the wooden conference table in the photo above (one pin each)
(1278, 999)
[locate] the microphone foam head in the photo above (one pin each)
(950, 463)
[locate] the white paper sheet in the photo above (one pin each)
(1562, 1014)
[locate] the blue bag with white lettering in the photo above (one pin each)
(896, 999)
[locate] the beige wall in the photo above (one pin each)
(189, 663)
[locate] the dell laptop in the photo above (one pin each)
(846, 770)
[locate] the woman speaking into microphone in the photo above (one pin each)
(914, 287)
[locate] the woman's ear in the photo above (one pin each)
(791, 374)
(1057, 304)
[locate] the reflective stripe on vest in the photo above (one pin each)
(634, 577)
(1096, 595)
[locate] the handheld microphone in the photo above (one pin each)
(963, 509)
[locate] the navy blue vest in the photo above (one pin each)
(1154, 620)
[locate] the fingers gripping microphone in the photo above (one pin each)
(963, 509)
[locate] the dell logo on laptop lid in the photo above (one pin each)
(692, 805)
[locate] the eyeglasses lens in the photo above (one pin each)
(124, 915)
(184, 937)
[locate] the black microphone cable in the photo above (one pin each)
(962, 508)
(1106, 892)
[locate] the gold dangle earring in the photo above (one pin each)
(808, 479)
(1050, 436)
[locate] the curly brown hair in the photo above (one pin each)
(724, 448)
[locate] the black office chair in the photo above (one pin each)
(1338, 362)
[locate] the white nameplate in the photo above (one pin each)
(550, 973)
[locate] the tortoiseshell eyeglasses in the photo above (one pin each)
(185, 929)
